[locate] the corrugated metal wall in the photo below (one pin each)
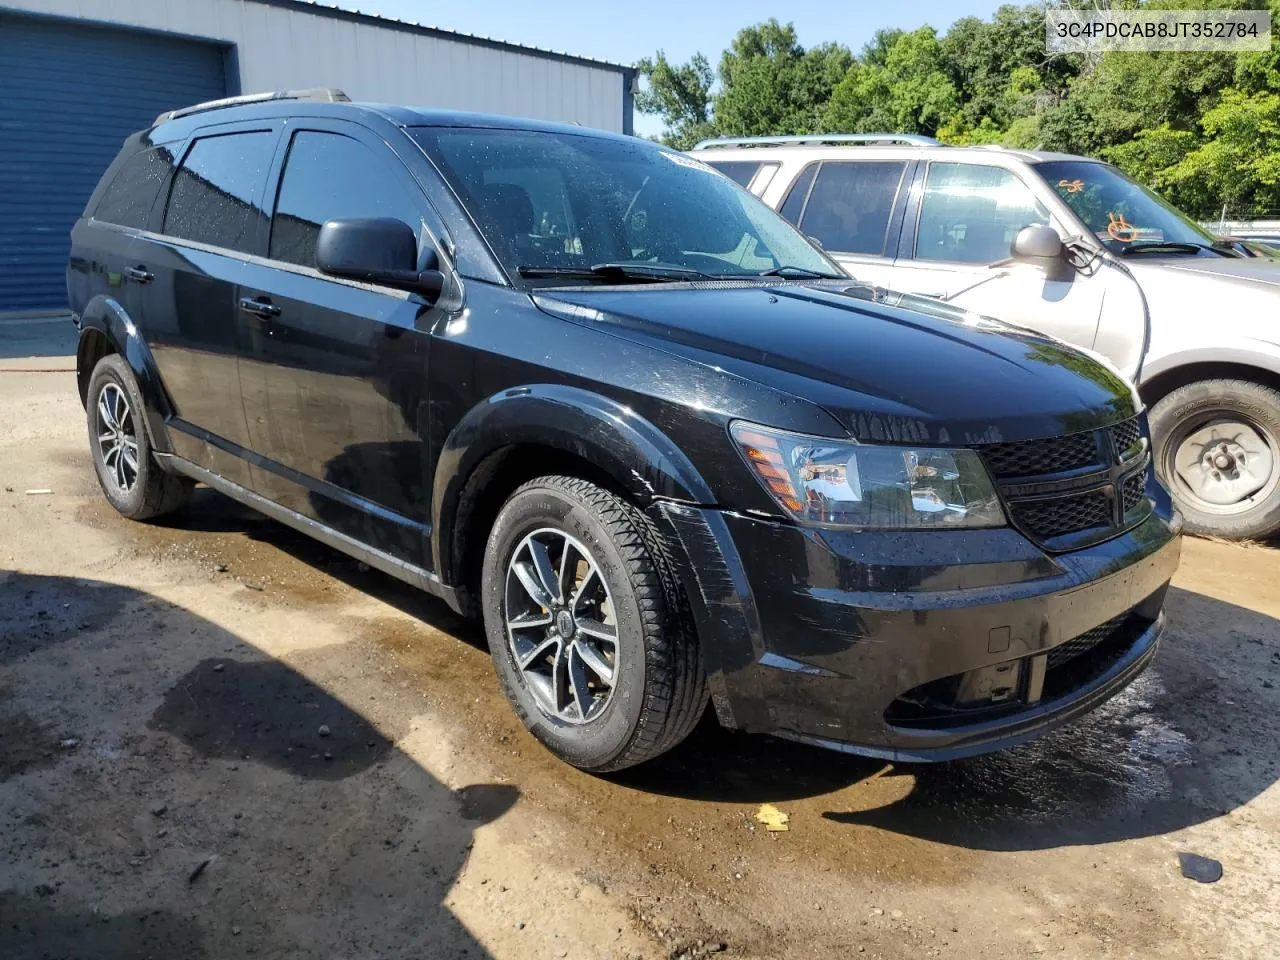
(284, 46)
(69, 95)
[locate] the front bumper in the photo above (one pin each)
(920, 646)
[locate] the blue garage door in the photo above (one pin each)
(70, 92)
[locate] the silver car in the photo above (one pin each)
(1076, 249)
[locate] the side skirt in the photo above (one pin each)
(410, 574)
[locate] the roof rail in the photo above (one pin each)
(325, 94)
(912, 139)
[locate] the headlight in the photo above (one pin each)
(835, 483)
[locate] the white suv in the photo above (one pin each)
(1074, 248)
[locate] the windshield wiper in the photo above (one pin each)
(652, 272)
(787, 270)
(1176, 245)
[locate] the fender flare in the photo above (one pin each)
(1258, 354)
(104, 315)
(636, 454)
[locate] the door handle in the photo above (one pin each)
(259, 307)
(140, 274)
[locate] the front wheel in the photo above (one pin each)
(588, 626)
(1217, 451)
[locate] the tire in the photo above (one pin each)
(130, 478)
(1238, 418)
(658, 689)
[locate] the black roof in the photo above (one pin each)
(430, 117)
(180, 128)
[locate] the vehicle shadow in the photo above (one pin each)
(177, 793)
(1193, 738)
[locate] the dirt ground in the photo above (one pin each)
(219, 739)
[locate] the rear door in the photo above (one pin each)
(212, 223)
(110, 246)
(854, 210)
(335, 378)
(962, 219)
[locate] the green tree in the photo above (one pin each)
(910, 93)
(1239, 162)
(769, 83)
(680, 95)
(1151, 154)
(1000, 65)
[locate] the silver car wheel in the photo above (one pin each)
(561, 627)
(117, 438)
(1225, 464)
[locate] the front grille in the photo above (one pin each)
(1125, 436)
(1083, 643)
(1045, 519)
(1065, 676)
(1025, 458)
(1065, 492)
(1135, 488)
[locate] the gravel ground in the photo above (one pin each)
(219, 739)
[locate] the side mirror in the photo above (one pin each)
(377, 250)
(1036, 242)
(1040, 245)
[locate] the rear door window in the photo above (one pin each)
(849, 206)
(217, 192)
(328, 176)
(970, 213)
(129, 198)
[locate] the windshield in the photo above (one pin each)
(559, 202)
(1118, 210)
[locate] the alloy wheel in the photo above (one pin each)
(117, 438)
(561, 626)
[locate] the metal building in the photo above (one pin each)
(79, 75)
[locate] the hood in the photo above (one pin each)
(1199, 303)
(1238, 272)
(888, 366)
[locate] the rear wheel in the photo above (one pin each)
(1217, 446)
(129, 476)
(588, 627)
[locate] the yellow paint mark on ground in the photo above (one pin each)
(774, 820)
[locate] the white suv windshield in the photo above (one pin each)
(1120, 212)
(554, 204)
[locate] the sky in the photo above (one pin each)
(624, 32)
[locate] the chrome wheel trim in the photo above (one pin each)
(1224, 463)
(117, 438)
(561, 626)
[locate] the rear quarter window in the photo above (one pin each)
(129, 197)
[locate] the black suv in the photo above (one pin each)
(589, 389)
